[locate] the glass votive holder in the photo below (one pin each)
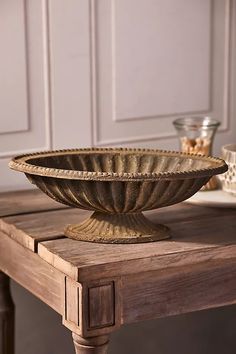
(196, 135)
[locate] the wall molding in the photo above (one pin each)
(47, 74)
(227, 52)
(96, 141)
(93, 69)
(47, 83)
(113, 74)
(27, 129)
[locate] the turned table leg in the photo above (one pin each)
(6, 316)
(93, 345)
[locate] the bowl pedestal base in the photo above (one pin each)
(117, 228)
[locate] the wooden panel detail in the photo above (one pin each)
(180, 290)
(90, 306)
(101, 303)
(92, 309)
(34, 274)
(72, 297)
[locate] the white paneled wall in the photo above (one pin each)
(112, 72)
(25, 123)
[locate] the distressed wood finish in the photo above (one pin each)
(28, 201)
(92, 309)
(98, 287)
(94, 345)
(178, 290)
(7, 315)
(101, 299)
(72, 314)
(34, 274)
(193, 241)
(30, 229)
(187, 212)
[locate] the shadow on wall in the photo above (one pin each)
(39, 331)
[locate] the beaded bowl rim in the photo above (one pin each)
(21, 163)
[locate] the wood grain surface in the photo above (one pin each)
(178, 290)
(34, 274)
(96, 345)
(97, 287)
(193, 241)
(29, 229)
(27, 201)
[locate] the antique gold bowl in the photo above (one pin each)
(118, 184)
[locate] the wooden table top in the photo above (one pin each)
(98, 287)
(199, 234)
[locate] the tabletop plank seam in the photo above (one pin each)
(37, 242)
(34, 212)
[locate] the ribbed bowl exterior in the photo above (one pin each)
(118, 184)
(118, 196)
(118, 180)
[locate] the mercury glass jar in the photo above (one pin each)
(196, 136)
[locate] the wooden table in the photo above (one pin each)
(95, 287)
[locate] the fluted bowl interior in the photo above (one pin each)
(118, 180)
(121, 163)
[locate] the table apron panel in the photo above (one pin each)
(176, 291)
(32, 272)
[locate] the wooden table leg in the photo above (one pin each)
(6, 316)
(93, 345)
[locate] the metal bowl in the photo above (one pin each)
(118, 184)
